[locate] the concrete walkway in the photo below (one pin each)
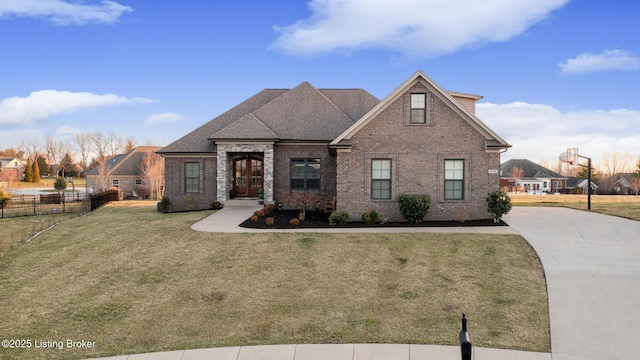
(336, 352)
(592, 266)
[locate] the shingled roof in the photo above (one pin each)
(529, 169)
(126, 164)
(303, 113)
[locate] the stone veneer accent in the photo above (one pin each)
(225, 177)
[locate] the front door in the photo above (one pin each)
(247, 176)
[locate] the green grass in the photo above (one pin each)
(134, 281)
(626, 206)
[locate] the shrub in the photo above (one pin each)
(259, 213)
(414, 207)
(498, 204)
(254, 218)
(370, 217)
(5, 197)
(269, 221)
(216, 205)
(143, 191)
(339, 217)
(165, 204)
(269, 208)
(294, 221)
(191, 202)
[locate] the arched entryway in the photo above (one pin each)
(248, 176)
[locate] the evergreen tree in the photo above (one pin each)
(36, 173)
(28, 171)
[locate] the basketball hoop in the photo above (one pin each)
(570, 157)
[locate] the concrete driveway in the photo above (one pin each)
(592, 265)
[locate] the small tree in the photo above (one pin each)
(498, 204)
(28, 171)
(304, 201)
(60, 184)
(36, 173)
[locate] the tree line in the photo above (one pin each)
(62, 158)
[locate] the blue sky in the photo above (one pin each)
(554, 73)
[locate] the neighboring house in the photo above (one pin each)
(122, 172)
(11, 168)
(521, 175)
(345, 143)
(623, 184)
(579, 186)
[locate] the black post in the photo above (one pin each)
(589, 184)
(465, 340)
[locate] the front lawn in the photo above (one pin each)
(133, 280)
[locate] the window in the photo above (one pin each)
(192, 177)
(115, 183)
(418, 108)
(454, 179)
(380, 179)
(138, 181)
(305, 175)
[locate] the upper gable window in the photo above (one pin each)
(419, 108)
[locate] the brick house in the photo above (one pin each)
(344, 143)
(123, 172)
(11, 169)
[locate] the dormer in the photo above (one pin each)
(467, 100)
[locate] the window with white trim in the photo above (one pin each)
(418, 108)
(115, 183)
(454, 179)
(381, 179)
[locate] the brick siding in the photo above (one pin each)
(417, 153)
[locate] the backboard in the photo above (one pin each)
(572, 156)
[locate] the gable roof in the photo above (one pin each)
(492, 139)
(302, 113)
(529, 169)
(126, 164)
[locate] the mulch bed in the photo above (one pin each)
(317, 219)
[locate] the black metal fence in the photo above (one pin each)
(102, 198)
(35, 205)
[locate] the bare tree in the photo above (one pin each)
(517, 173)
(614, 163)
(31, 147)
(99, 144)
(115, 144)
(152, 170)
(102, 168)
(51, 147)
(130, 144)
(83, 143)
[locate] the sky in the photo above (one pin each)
(555, 74)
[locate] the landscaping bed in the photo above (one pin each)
(317, 219)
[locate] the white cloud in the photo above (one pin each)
(606, 60)
(164, 118)
(62, 12)
(414, 28)
(45, 103)
(539, 131)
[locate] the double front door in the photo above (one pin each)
(248, 176)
